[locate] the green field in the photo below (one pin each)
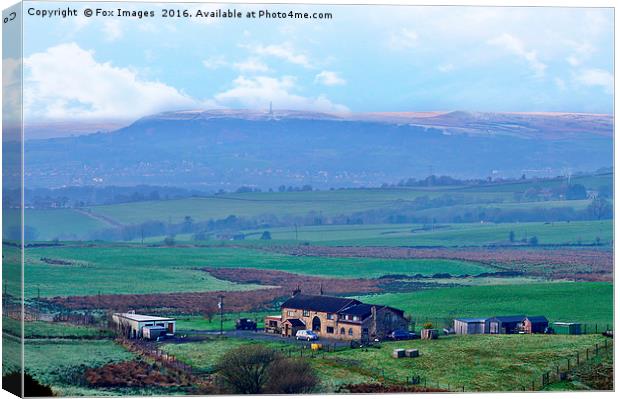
(478, 363)
(42, 329)
(122, 269)
(79, 224)
(58, 363)
(67, 223)
(201, 323)
(466, 234)
(590, 303)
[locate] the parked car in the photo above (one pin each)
(308, 335)
(399, 335)
(245, 324)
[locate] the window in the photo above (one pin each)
(350, 331)
(330, 330)
(330, 316)
(290, 313)
(342, 331)
(356, 318)
(306, 313)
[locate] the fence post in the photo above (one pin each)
(596, 328)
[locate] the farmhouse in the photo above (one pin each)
(133, 325)
(335, 318)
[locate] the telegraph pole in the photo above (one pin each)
(220, 306)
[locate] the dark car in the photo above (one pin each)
(399, 335)
(245, 324)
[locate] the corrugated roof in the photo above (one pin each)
(509, 319)
(142, 317)
(473, 320)
(318, 303)
(538, 319)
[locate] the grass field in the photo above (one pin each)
(117, 270)
(201, 323)
(73, 224)
(590, 303)
(121, 269)
(466, 234)
(42, 329)
(479, 363)
(60, 363)
(61, 223)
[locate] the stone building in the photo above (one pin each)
(336, 318)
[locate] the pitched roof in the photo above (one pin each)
(538, 319)
(296, 322)
(142, 317)
(473, 320)
(362, 310)
(318, 303)
(509, 319)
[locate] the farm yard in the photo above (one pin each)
(380, 246)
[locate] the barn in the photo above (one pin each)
(133, 325)
(535, 324)
(470, 326)
(506, 324)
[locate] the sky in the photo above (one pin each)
(364, 59)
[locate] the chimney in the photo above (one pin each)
(321, 289)
(296, 291)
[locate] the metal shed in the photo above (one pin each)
(470, 326)
(506, 324)
(568, 328)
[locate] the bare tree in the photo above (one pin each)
(291, 376)
(244, 370)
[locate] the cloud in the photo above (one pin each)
(251, 65)
(284, 51)
(403, 39)
(515, 46)
(215, 62)
(329, 78)
(258, 92)
(112, 30)
(445, 68)
(596, 78)
(581, 52)
(66, 82)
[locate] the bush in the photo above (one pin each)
(256, 369)
(291, 376)
(533, 240)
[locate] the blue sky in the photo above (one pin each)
(365, 59)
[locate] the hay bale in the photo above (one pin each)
(398, 353)
(412, 352)
(428, 333)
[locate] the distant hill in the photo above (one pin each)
(226, 149)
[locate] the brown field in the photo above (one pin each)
(581, 265)
(281, 284)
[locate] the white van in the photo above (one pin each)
(308, 335)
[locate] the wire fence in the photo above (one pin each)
(555, 372)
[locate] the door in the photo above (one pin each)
(316, 324)
(171, 328)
